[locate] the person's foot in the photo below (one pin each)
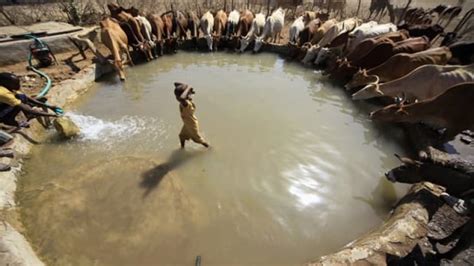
(458, 205)
(6, 153)
(4, 167)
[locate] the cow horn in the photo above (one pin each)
(377, 79)
(404, 97)
(398, 157)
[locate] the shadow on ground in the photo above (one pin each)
(152, 177)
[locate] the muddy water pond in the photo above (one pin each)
(295, 170)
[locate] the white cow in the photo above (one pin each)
(273, 27)
(232, 22)
(358, 35)
(255, 30)
(146, 30)
(207, 25)
(296, 27)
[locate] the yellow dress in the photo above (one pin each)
(8, 97)
(190, 128)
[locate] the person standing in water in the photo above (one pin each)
(190, 129)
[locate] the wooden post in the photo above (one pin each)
(358, 8)
(268, 8)
(6, 16)
(404, 12)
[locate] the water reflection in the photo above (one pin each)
(382, 198)
(291, 152)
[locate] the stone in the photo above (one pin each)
(397, 236)
(65, 127)
(14, 249)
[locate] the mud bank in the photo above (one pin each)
(14, 247)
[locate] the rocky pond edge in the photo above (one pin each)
(396, 236)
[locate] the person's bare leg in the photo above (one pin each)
(182, 140)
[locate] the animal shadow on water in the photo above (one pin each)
(152, 177)
(382, 199)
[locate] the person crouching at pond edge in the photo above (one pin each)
(190, 129)
(12, 101)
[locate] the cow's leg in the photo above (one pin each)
(129, 57)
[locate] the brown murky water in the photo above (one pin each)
(295, 170)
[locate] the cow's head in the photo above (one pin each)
(437, 29)
(361, 79)
(341, 70)
(391, 113)
(408, 172)
(371, 90)
(244, 43)
(234, 42)
(209, 41)
(114, 9)
(119, 68)
(172, 44)
(325, 56)
(311, 53)
(258, 44)
(216, 40)
(133, 11)
(308, 16)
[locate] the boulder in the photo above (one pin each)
(65, 127)
(406, 226)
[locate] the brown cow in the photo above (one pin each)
(220, 21)
(243, 28)
(245, 22)
(430, 31)
(306, 35)
(329, 59)
(181, 22)
(116, 40)
(421, 84)
(449, 110)
(193, 24)
(378, 55)
(319, 34)
(309, 16)
(157, 28)
(132, 28)
(399, 65)
(368, 44)
(170, 41)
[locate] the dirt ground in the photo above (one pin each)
(68, 64)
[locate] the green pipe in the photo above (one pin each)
(48, 84)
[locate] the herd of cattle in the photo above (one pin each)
(432, 85)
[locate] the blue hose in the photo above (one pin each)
(48, 84)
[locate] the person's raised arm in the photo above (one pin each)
(26, 108)
(184, 96)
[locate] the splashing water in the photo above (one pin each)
(96, 129)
